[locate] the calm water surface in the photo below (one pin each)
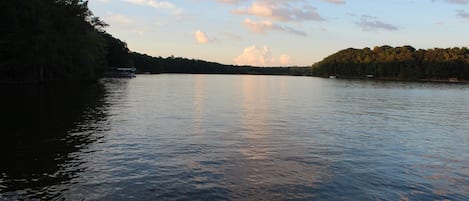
(235, 137)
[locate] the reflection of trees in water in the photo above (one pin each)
(43, 127)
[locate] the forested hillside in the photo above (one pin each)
(54, 40)
(149, 64)
(400, 63)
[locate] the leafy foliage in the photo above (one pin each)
(404, 63)
(52, 40)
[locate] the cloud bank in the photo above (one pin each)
(370, 23)
(261, 56)
(271, 15)
(280, 11)
(458, 1)
(261, 27)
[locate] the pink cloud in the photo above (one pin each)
(261, 56)
(201, 37)
(280, 11)
(261, 27)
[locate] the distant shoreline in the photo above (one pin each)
(458, 81)
(443, 81)
(403, 63)
(339, 78)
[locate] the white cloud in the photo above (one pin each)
(255, 56)
(258, 9)
(261, 56)
(371, 23)
(276, 15)
(280, 11)
(335, 1)
(121, 20)
(126, 23)
(157, 5)
(458, 1)
(262, 27)
(201, 37)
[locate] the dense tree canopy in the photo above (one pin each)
(47, 40)
(118, 55)
(404, 63)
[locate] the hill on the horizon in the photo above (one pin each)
(402, 63)
(149, 64)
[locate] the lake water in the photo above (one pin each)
(235, 137)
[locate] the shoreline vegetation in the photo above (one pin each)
(56, 41)
(397, 63)
(43, 41)
(146, 64)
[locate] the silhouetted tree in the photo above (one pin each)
(49, 40)
(145, 63)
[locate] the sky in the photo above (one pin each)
(280, 32)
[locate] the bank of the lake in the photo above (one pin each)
(392, 79)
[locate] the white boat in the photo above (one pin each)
(121, 72)
(453, 79)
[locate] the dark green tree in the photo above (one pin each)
(400, 63)
(50, 40)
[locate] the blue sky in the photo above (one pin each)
(281, 32)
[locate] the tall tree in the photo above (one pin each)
(46, 40)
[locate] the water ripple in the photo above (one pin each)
(224, 137)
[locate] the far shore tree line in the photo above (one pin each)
(149, 64)
(397, 63)
(61, 40)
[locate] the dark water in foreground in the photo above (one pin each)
(235, 137)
